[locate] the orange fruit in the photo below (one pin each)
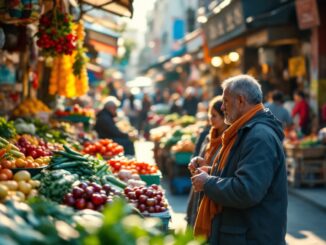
(7, 172)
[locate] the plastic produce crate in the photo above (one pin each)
(182, 158)
(180, 185)
(76, 118)
(165, 218)
(151, 179)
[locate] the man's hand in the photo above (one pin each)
(195, 163)
(199, 179)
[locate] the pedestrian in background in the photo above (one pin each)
(175, 104)
(190, 102)
(245, 193)
(130, 109)
(301, 108)
(143, 114)
(209, 143)
(106, 128)
(276, 107)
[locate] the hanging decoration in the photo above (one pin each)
(55, 33)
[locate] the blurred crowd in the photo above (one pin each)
(293, 111)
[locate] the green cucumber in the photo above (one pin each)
(72, 156)
(115, 181)
(71, 164)
(102, 171)
(71, 151)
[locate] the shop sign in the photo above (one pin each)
(103, 38)
(225, 25)
(195, 43)
(297, 66)
(307, 13)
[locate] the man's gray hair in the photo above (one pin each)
(246, 86)
(111, 101)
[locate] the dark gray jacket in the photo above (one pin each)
(106, 128)
(252, 188)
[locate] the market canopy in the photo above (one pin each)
(118, 7)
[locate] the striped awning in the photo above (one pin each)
(117, 7)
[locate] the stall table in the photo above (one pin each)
(306, 165)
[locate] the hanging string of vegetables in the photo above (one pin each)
(55, 33)
(60, 38)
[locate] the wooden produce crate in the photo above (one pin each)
(305, 152)
(306, 166)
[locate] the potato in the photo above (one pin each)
(22, 175)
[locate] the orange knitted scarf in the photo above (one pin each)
(208, 208)
(215, 141)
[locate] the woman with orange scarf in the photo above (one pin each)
(245, 193)
(207, 153)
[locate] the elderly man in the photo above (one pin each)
(106, 128)
(245, 193)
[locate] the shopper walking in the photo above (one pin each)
(245, 194)
(208, 151)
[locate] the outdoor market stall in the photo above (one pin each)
(306, 160)
(174, 145)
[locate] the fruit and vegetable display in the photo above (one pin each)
(31, 146)
(132, 165)
(176, 135)
(75, 110)
(23, 127)
(292, 138)
(55, 184)
(104, 147)
(39, 222)
(9, 150)
(18, 186)
(7, 128)
(90, 195)
(49, 179)
(82, 165)
(186, 144)
(44, 222)
(171, 119)
(147, 199)
(30, 107)
(59, 133)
